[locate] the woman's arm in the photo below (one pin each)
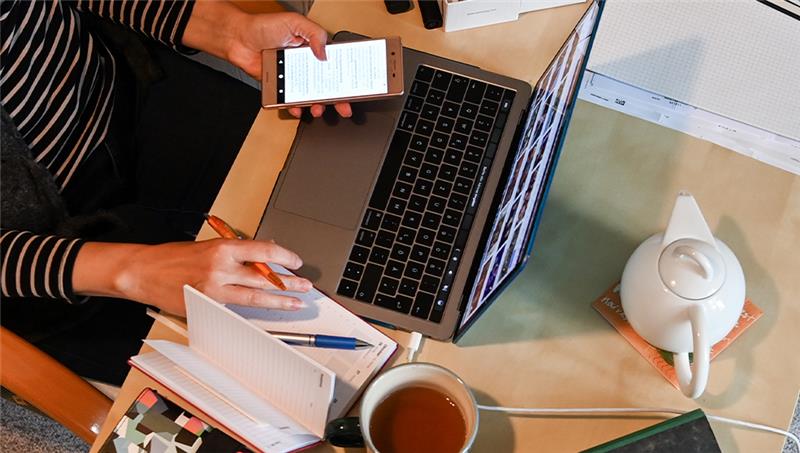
(155, 274)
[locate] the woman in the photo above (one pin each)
(112, 149)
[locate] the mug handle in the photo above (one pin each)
(345, 432)
(692, 380)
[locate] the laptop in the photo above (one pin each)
(420, 210)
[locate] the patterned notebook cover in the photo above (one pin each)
(610, 307)
(155, 425)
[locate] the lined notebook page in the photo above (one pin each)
(280, 434)
(322, 315)
(287, 379)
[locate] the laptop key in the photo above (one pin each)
(475, 90)
(415, 103)
(424, 127)
(437, 204)
(384, 239)
(457, 202)
(365, 238)
(442, 188)
(428, 171)
(412, 219)
(463, 126)
(359, 254)
(458, 141)
(447, 172)
(488, 108)
(434, 155)
(468, 170)
(382, 300)
(372, 219)
(440, 250)
(419, 88)
(435, 267)
(439, 140)
(347, 288)
(469, 111)
(473, 154)
(424, 73)
(369, 283)
(414, 158)
(390, 222)
(414, 270)
(394, 269)
(402, 304)
(446, 234)
(388, 285)
(493, 92)
(425, 236)
(462, 185)
(444, 124)
(483, 123)
(431, 220)
(431, 112)
(453, 157)
(353, 271)
(402, 190)
(437, 312)
(441, 80)
(406, 236)
(418, 143)
(379, 255)
(435, 97)
(420, 253)
(407, 174)
(423, 187)
(396, 207)
(391, 163)
(450, 109)
(408, 287)
(478, 138)
(458, 87)
(429, 283)
(417, 203)
(422, 305)
(451, 218)
(508, 99)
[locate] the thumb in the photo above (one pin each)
(315, 35)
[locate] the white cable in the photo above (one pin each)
(611, 410)
(413, 345)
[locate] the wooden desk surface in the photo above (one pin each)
(541, 344)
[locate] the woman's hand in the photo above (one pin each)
(223, 30)
(155, 274)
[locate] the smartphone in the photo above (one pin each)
(354, 71)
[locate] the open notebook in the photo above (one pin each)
(276, 397)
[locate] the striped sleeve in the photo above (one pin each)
(162, 20)
(37, 265)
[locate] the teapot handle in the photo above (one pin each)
(692, 380)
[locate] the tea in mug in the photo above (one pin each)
(415, 419)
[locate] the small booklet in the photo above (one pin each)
(276, 397)
(610, 307)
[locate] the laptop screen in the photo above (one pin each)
(508, 240)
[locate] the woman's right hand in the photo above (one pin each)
(155, 274)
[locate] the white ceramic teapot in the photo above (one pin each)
(683, 291)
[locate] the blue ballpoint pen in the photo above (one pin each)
(320, 341)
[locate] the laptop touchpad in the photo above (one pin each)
(334, 164)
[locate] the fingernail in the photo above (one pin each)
(295, 305)
(307, 285)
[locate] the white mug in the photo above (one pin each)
(355, 431)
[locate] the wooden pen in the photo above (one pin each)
(225, 230)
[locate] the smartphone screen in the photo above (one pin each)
(352, 69)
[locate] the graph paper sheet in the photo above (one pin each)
(736, 58)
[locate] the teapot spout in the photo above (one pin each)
(687, 222)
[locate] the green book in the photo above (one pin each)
(685, 433)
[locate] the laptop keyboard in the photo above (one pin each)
(413, 233)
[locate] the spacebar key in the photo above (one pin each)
(369, 283)
(391, 165)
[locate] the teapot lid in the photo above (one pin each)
(692, 269)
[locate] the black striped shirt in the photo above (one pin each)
(56, 83)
